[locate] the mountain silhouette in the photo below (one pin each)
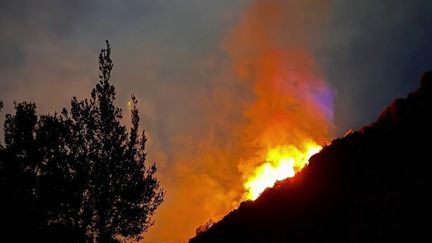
(372, 185)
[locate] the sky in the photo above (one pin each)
(172, 54)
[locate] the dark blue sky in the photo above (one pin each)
(169, 54)
(375, 51)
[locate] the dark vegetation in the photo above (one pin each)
(77, 176)
(373, 185)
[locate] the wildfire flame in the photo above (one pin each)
(281, 162)
(292, 110)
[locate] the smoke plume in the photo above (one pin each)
(269, 93)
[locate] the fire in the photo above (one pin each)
(291, 110)
(281, 162)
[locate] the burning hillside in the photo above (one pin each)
(372, 185)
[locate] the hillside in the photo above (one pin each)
(372, 185)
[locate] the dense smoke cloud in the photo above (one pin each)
(271, 52)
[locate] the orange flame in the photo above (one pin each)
(281, 162)
(292, 111)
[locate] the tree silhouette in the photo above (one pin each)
(120, 193)
(18, 166)
(78, 176)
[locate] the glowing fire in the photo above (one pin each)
(281, 162)
(291, 112)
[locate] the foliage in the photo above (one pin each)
(78, 176)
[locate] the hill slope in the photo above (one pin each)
(373, 185)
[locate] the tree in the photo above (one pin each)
(59, 184)
(18, 171)
(79, 176)
(120, 193)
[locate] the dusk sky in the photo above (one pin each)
(173, 56)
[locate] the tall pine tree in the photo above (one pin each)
(119, 192)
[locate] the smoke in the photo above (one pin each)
(268, 93)
(201, 177)
(271, 51)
